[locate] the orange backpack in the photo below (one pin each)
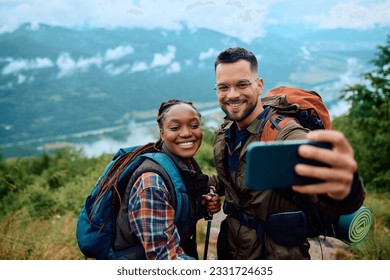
(294, 104)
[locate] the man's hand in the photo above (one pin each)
(338, 176)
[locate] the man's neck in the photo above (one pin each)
(245, 123)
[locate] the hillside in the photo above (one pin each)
(56, 83)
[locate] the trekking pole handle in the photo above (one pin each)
(210, 216)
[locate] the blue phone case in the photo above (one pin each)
(271, 164)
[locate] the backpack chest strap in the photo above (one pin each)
(285, 228)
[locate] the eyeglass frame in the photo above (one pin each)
(233, 85)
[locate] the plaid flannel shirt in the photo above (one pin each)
(151, 218)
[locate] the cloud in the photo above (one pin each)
(118, 52)
(229, 17)
(164, 59)
(138, 135)
(245, 20)
(340, 108)
(21, 79)
(85, 63)
(175, 67)
(18, 65)
(139, 67)
(305, 52)
(67, 65)
(15, 66)
(210, 53)
(349, 78)
(114, 71)
(353, 14)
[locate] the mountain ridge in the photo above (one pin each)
(57, 81)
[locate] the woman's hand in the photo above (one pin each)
(212, 201)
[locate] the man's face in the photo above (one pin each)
(240, 103)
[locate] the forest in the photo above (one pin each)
(41, 196)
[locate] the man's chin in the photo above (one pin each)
(235, 117)
(239, 116)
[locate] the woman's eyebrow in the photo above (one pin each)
(181, 120)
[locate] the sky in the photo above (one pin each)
(243, 19)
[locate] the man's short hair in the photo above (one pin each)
(234, 54)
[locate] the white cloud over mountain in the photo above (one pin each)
(18, 65)
(243, 19)
(114, 61)
(118, 52)
(353, 14)
(160, 59)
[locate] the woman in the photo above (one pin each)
(145, 223)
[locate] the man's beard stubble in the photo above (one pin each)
(243, 116)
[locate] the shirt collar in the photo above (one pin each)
(177, 160)
(257, 123)
(253, 128)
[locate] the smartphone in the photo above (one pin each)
(271, 164)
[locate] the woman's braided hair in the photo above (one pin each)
(165, 107)
(112, 176)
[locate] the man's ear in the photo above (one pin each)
(260, 86)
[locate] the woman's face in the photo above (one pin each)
(181, 130)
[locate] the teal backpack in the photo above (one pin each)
(96, 223)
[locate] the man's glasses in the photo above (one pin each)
(239, 85)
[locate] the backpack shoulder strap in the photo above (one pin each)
(175, 177)
(273, 125)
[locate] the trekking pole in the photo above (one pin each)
(206, 243)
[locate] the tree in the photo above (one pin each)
(367, 124)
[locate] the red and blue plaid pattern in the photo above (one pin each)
(151, 218)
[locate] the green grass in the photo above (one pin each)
(23, 237)
(376, 246)
(40, 199)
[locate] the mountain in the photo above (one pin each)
(57, 82)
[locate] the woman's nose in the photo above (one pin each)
(185, 132)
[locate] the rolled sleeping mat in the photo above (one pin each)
(354, 227)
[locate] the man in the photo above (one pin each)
(242, 235)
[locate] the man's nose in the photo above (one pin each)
(232, 92)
